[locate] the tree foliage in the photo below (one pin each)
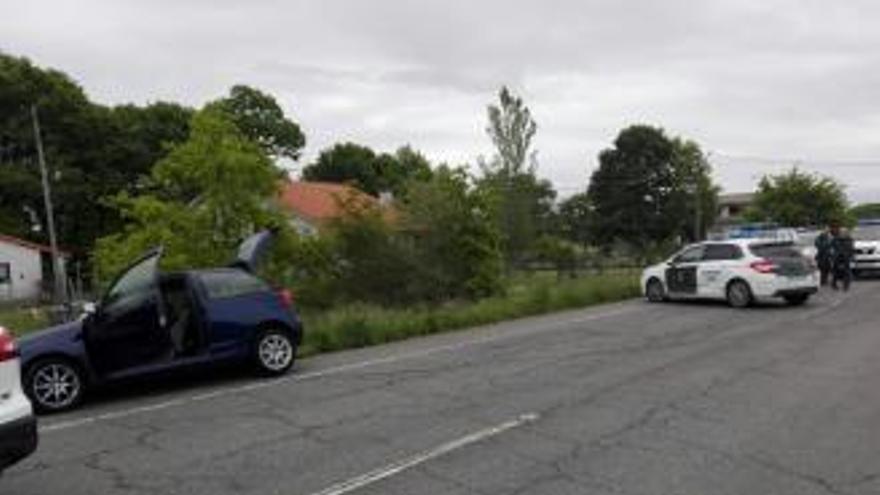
(261, 119)
(205, 197)
(371, 172)
(646, 187)
(576, 217)
(797, 199)
(695, 189)
(866, 211)
(521, 203)
(92, 152)
(512, 129)
(440, 245)
(95, 152)
(459, 252)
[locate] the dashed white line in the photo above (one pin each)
(410, 462)
(74, 423)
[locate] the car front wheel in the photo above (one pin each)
(54, 385)
(274, 352)
(654, 291)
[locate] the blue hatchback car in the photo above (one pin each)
(150, 322)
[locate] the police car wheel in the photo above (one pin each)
(655, 291)
(739, 294)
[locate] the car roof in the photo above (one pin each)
(747, 242)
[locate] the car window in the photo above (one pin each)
(690, 255)
(136, 283)
(722, 252)
(231, 283)
(775, 251)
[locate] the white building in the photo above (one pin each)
(25, 269)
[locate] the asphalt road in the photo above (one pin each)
(624, 399)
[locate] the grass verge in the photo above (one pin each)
(364, 325)
(23, 320)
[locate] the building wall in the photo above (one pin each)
(25, 273)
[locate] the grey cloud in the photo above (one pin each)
(782, 78)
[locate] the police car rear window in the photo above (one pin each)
(231, 283)
(775, 251)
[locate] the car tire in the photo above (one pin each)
(739, 294)
(654, 291)
(274, 352)
(54, 384)
(797, 299)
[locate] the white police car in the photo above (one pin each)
(740, 271)
(18, 428)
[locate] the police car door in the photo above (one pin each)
(681, 274)
(718, 263)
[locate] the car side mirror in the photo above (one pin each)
(89, 310)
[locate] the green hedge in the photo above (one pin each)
(364, 325)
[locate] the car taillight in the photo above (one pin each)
(7, 345)
(286, 296)
(764, 266)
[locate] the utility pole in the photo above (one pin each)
(60, 293)
(698, 213)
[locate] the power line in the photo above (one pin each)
(783, 161)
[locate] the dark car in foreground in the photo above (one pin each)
(150, 322)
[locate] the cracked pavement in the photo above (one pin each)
(632, 399)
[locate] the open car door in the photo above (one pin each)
(681, 274)
(253, 249)
(127, 328)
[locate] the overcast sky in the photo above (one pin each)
(760, 84)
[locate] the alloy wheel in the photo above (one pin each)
(56, 386)
(275, 352)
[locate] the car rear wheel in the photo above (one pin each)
(739, 294)
(54, 385)
(797, 299)
(654, 291)
(274, 352)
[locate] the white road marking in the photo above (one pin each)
(74, 423)
(405, 464)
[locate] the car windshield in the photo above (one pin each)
(867, 233)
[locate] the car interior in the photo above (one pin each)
(182, 316)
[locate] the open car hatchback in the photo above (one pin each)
(150, 322)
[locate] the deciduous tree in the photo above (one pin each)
(797, 199)
(261, 119)
(209, 193)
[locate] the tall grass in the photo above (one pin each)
(23, 320)
(364, 325)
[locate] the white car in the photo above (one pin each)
(740, 271)
(867, 258)
(18, 427)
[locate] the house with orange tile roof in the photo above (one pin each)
(312, 206)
